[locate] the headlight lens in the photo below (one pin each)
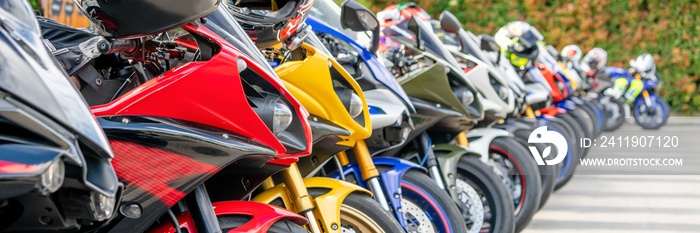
(282, 117)
(502, 92)
(102, 206)
(465, 96)
(52, 178)
(356, 106)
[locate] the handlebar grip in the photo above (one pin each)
(116, 46)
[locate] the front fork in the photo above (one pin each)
(430, 160)
(368, 171)
(299, 195)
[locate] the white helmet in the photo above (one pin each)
(573, 52)
(596, 58)
(644, 64)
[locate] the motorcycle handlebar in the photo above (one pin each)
(106, 46)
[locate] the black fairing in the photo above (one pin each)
(442, 124)
(29, 73)
(136, 18)
(162, 159)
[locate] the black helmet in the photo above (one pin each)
(130, 19)
(271, 22)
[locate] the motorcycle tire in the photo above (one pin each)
(610, 124)
(665, 108)
(548, 174)
(521, 170)
(572, 159)
(231, 222)
(588, 109)
(595, 105)
(583, 120)
(420, 194)
(361, 213)
(494, 195)
(577, 130)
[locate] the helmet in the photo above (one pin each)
(596, 58)
(518, 41)
(644, 64)
(573, 52)
(129, 19)
(269, 23)
(395, 14)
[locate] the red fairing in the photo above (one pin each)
(556, 94)
(263, 216)
(207, 92)
(552, 111)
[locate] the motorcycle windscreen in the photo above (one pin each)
(31, 74)
(224, 25)
(429, 40)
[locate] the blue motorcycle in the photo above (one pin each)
(638, 87)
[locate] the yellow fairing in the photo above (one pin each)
(574, 84)
(310, 82)
(327, 209)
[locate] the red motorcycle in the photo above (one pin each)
(191, 119)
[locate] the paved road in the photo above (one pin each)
(623, 200)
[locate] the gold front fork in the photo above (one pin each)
(462, 139)
(301, 199)
(364, 160)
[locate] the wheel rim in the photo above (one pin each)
(511, 175)
(416, 219)
(354, 221)
(471, 205)
(650, 117)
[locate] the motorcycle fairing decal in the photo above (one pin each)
(17, 168)
(151, 169)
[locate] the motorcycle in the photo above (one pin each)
(55, 171)
(413, 197)
(340, 121)
(638, 88)
(234, 126)
(451, 106)
(463, 45)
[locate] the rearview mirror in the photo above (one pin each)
(488, 43)
(415, 28)
(358, 18)
(449, 22)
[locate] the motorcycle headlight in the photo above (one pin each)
(52, 179)
(355, 106)
(502, 92)
(282, 117)
(102, 206)
(465, 96)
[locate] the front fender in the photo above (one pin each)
(448, 156)
(390, 179)
(262, 217)
(327, 205)
(480, 140)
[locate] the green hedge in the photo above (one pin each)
(668, 29)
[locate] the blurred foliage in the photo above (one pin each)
(35, 4)
(670, 30)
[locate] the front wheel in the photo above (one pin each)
(651, 117)
(361, 213)
(613, 112)
(481, 192)
(427, 208)
(519, 173)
